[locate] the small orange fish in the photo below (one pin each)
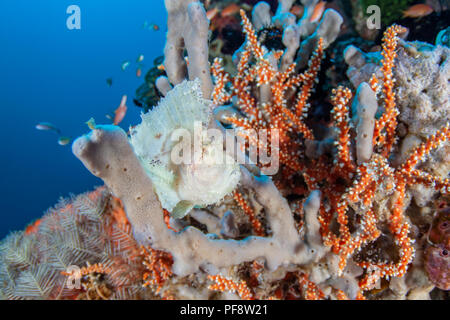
(297, 10)
(417, 11)
(138, 72)
(161, 67)
(230, 10)
(121, 111)
(212, 13)
(155, 27)
(318, 11)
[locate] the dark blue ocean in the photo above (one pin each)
(53, 74)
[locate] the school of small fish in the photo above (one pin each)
(47, 126)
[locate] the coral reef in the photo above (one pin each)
(421, 74)
(358, 208)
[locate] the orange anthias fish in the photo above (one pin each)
(297, 10)
(211, 13)
(318, 11)
(230, 10)
(138, 72)
(418, 11)
(121, 111)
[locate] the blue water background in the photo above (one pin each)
(49, 73)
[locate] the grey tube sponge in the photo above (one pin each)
(187, 28)
(291, 40)
(311, 209)
(361, 65)
(366, 106)
(306, 27)
(261, 15)
(174, 63)
(284, 6)
(163, 85)
(283, 17)
(354, 57)
(328, 29)
(107, 153)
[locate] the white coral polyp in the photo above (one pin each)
(208, 177)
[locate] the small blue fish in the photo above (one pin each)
(125, 65)
(47, 126)
(140, 58)
(64, 141)
(91, 124)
